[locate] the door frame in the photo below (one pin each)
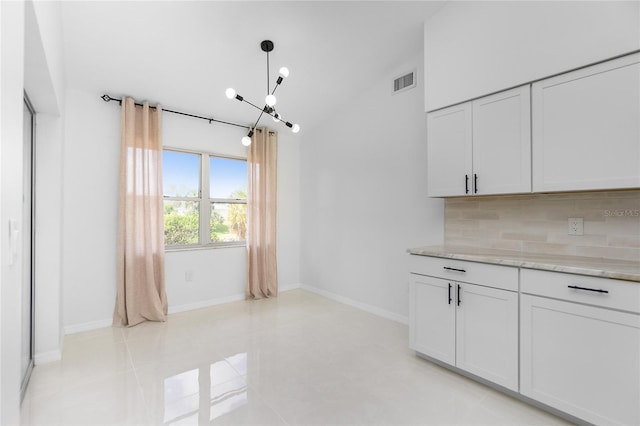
(27, 375)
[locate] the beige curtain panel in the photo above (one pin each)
(141, 292)
(262, 265)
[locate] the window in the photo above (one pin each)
(228, 199)
(205, 199)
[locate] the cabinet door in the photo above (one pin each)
(502, 142)
(581, 359)
(586, 128)
(449, 151)
(487, 334)
(432, 317)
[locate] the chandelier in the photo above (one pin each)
(270, 100)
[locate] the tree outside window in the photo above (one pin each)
(191, 219)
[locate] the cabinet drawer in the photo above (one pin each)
(604, 292)
(504, 277)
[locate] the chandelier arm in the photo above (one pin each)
(258, 120)
(253, 105)
(263, 111)
(280, 118)
(274, 89)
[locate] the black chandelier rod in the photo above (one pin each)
(108, 98)
(268, 83)
(263, 111)
(258, 120)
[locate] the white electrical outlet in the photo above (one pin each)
(188, 276)
(576, 226)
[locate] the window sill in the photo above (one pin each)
(208, 247)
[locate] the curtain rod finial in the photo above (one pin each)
(106, 98)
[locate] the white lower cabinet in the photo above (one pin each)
(487, 334)
(473, 327)
(581, 359)
(432, 318)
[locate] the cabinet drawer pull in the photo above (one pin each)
(450, 293)
(597, 290)
(453, 269)
(475, 183)
(466, 184)
(459, 295)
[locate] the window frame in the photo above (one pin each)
(205, 201)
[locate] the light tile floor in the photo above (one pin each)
(296, 359)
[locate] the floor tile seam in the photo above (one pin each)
(265, 400)
(235, 370)
(139, 335)
(63, 365)
(49, 390)
(147, 408)
(267, 404)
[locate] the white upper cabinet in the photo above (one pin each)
(502, 142)
(481, 147)
(586, 128)
(449, 151)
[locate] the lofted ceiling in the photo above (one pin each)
(184, 54)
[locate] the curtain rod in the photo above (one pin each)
(108, 98)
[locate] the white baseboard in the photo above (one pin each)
(295, 286)
(45, 357)
(205, 303)
(87, 326)
(221, 300)
(93, 325)
(363, 306)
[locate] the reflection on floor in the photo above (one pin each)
(296, 359)
(222, 387)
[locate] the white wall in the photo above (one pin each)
(90, 214)
(48, 326)
(90, 180)
(44, 65)
(11, 144)
(44, 84)
(476, 48)
(30, 59)
(364, 198)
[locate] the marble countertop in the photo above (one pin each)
(598, 267)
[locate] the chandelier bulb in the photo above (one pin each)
(276, 117)
(295, 128)
(230, 93)
(270, 100)
(246, 140)
(284, 71)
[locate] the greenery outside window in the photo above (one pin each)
(205, 200)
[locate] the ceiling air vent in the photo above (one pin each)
(404, 82)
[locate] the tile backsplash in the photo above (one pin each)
(538, 223)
